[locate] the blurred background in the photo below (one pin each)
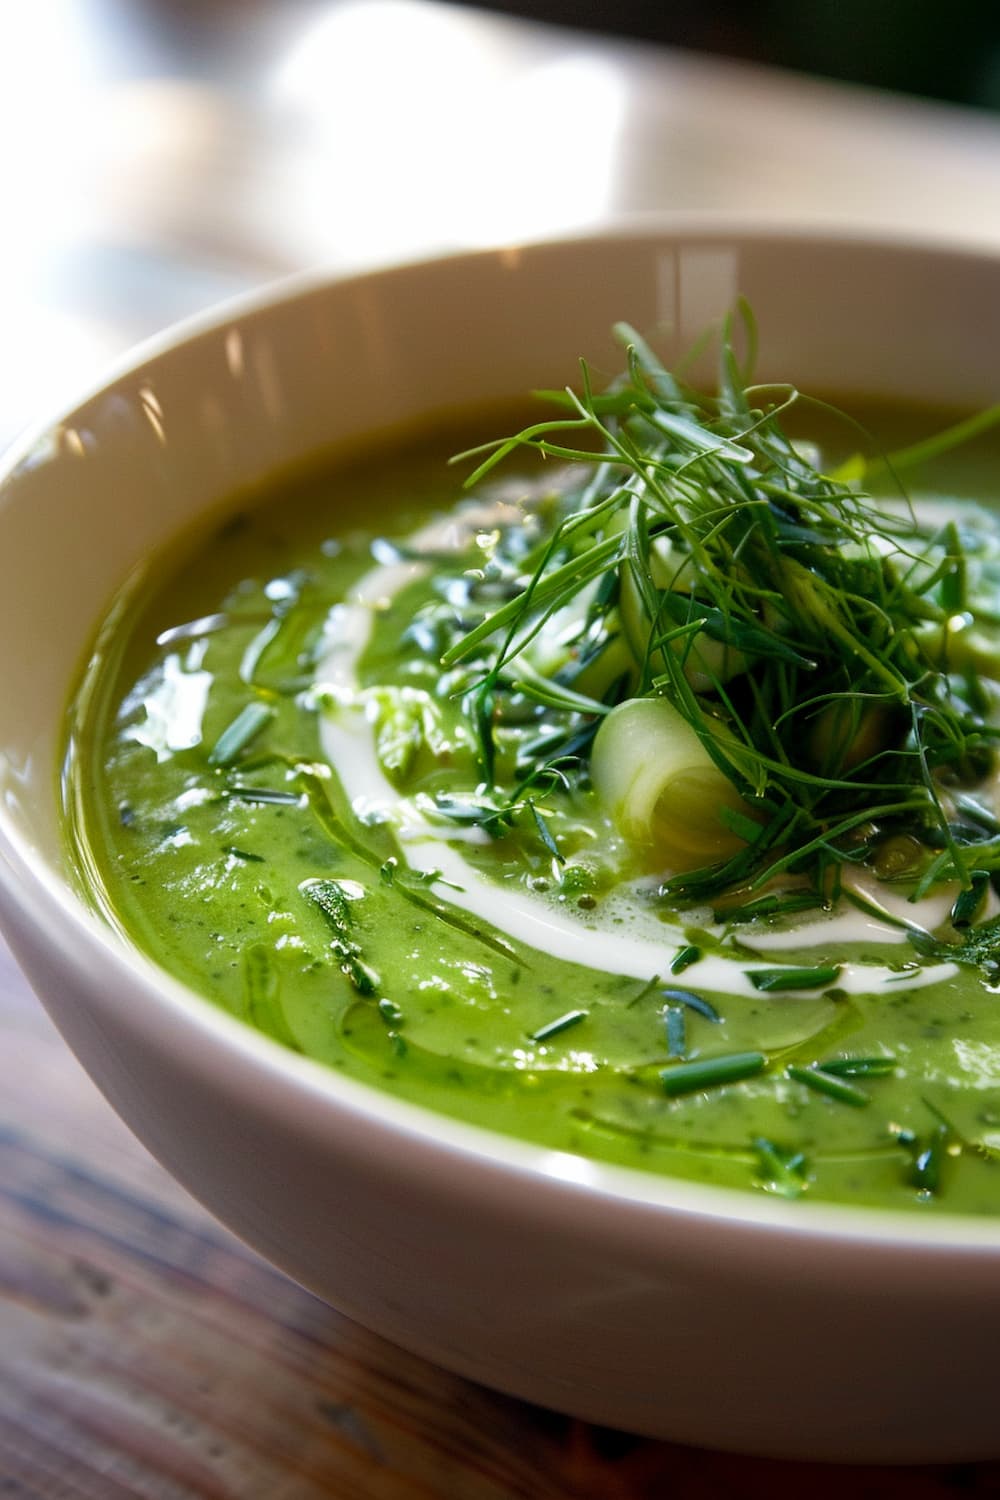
(910, 45)
(159, 155)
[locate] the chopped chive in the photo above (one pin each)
(245, 728)
(793, 979)
(780, 1171)
(390, 1012)
(674, 1015)
(925, 1173)
(684, 958)
(693, 1002)
(769, 906)
(648, 988)
(237, 853)
(264, 794)
(710, 1072)
(859, 1067)
(968, 902)
(544, 834)
(561, 1023)
(828, 1083)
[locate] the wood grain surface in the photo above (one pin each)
(159, 155)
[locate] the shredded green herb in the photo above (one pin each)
(560, 1024)
(812, 636)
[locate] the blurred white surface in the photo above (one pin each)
(163, 154)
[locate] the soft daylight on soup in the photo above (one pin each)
(640, 798)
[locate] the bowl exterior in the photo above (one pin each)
(711, 1318)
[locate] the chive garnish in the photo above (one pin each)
(390, 1012)
(711, 1072)
(693, 1001)
(769, 980)
(243, 730)
(560, 1024)
(263, 794)
(244, 854)
(780, 1171)
(925, 1173)
(544, 834)
(769, 906)
(859, 1067)
(684, 958)
(674, 1017)
(830, 1084)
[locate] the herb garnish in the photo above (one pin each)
(711, 1072)
(811, 636)
(560, 1024)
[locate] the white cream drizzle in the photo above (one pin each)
(645, 944)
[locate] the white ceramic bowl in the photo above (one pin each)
(702, 1315)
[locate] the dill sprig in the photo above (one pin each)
(807, 632)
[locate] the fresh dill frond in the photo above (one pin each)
(811, 635)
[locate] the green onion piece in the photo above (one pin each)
(390, 1012)
(829, 1084)
(693, 1002)
(684, 958)
(793, 979)
(690, 1077)
(245, 728)
(561, 1023)
(859, 1067)
(673, 1015)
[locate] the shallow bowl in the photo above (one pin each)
(702, 1315)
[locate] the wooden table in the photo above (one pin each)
(158, 157)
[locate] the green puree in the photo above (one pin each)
(209, 828)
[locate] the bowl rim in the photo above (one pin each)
(174, 1015)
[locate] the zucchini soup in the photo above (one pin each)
(629, 784)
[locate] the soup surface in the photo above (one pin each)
(495, 886)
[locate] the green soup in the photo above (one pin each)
(404, 870)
